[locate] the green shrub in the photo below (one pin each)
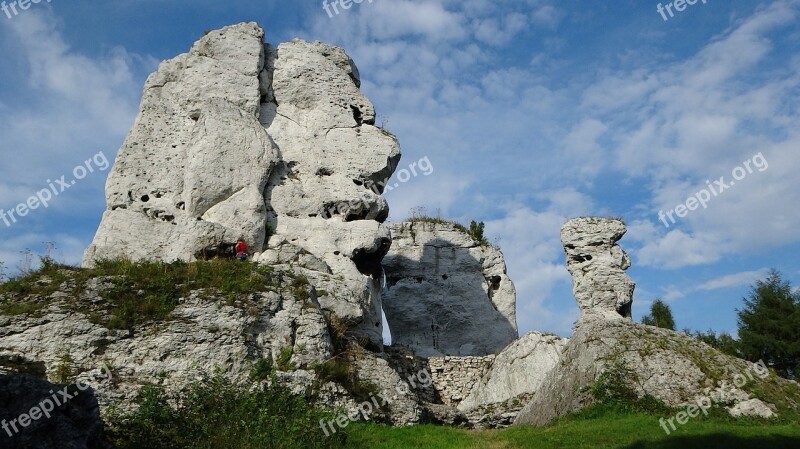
(213, 414)
(284, 360)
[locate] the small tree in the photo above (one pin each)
(769, 325)
(660, 316)
(476, 232)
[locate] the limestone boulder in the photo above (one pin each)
(518, 370)
(447, 294)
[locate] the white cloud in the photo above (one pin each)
(734, 280)
(678, 249)
(81, 105)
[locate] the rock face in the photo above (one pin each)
(446, 294)
(192, 171)
(597, 266)
(238, 139)
(206, 331)
(75, 424)
(202, 333)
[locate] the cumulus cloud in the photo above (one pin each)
(735, 279)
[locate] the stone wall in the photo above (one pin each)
(454, 377)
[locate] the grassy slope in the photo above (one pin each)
(590, 430)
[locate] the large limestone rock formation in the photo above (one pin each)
(597, 266)
(275, 145)
(670, 366)
(447, 294)
(192, 171)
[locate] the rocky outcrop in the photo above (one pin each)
(282, 326)
(38, 414)
(670, 366)
(238, 139)
(205, 331)
(447, 294)
(518, 370)
(597, 266)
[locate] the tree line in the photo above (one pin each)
(768, 326)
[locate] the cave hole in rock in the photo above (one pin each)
(356, 216)
(145, 198)
(581, 259)
(368, 261)
(494, 281)
(357, 115)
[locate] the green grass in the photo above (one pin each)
(595, 428)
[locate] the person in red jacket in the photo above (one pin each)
(241, 250)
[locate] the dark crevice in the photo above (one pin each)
(369, 261)
(581, 259)
(357, 115)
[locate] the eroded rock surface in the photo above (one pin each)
(446, 293)
(597, 265)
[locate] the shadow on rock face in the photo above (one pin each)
(74, 424)
(443, 296)
(368, 260)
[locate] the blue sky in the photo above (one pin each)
(531, 112)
